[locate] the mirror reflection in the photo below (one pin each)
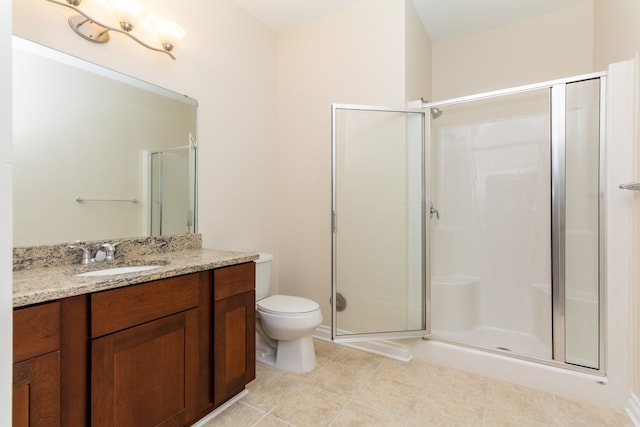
(97, 155)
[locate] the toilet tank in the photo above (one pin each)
(263, 275)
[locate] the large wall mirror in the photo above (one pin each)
(97, 154)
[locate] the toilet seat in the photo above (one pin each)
(287, 305)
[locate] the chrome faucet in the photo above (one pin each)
(104, 252)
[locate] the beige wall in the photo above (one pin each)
(228, 63)
(6, 243)
(616, 34)
(617, 38)
(329, 60)
(417, 56)
(541, 48)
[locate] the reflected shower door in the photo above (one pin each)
(491, 247)
(171, 190)
(379, 251)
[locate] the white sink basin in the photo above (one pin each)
(119, 270)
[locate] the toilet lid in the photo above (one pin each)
(287, 304)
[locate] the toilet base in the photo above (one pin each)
(296, 356)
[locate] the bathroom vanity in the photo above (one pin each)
(135, 347)
(159, 347)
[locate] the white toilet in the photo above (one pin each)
(284, 325)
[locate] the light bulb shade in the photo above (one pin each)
(169, 33)
(126, 12)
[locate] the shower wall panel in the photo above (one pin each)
(582, 271)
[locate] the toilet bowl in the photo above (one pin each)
(284, 325)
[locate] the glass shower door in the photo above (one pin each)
(379, 223)
(171, 190)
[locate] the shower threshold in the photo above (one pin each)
(503, 340)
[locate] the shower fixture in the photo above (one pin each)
(435, 111)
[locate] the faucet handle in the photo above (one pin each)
(86, 254)
(110, 248)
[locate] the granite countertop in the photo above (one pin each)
(37, 285)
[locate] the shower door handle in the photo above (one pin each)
(432, 211)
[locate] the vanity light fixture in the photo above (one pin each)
(127, 14)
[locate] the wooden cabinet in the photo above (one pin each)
(234, 340)
(36, 368)
(145, 353)
(50, 370)
(163, 353)
(146, 375)
(36, 391)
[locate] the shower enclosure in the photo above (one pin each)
(171, 190)
(486, 233)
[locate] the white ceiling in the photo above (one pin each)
(442, 18)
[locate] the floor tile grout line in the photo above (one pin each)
(266, 414)
(383, 411)
(355, 401)
(344, 406)
(255, 407)
(259, 420)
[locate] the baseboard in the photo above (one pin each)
(385, 348)
(203, 421)
(633, 409)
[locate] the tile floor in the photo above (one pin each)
(354, 388)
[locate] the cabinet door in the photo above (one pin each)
(36, 391)
(36, 331)
(234, 345)
(36, 369)
(146, 375)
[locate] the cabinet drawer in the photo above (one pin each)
(233, 280)
(123, 308)
(36, 330)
